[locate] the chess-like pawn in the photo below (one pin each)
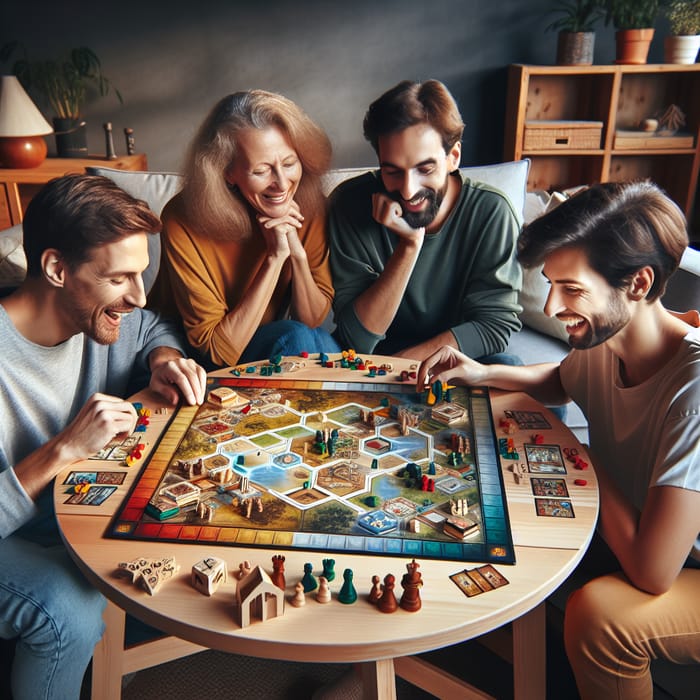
(388, 603)
(347, 593)
(376, 593)
(244, 569)
(329, 569)
(411, 583)
(309, 581)
(298, 599)
(278, 571)
(324, 592)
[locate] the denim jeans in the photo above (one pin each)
(287, 338)
(55, 614)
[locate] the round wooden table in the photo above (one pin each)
(546, 548)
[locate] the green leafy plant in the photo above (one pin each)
(631, 14)
(684, 17)
(63, 82)
(576, 15)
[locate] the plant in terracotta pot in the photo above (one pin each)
(634, 21)
(65, 84)
(575, 24)
(682, 45)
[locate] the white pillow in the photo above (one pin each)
(13, 261)
(156, 189)
(535, 287)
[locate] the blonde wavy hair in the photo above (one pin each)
(216, 207)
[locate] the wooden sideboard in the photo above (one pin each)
(17, 187)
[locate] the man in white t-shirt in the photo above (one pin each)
(635, 372)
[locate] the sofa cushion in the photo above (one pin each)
(13, 261)
(156, 189)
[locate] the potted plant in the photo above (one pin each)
(575, 24)
(64, 84)
(634, 21)
(682, 45)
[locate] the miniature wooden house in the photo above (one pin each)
(257, 597)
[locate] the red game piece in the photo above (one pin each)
(580, 482)
(246, 409)
(303, 353)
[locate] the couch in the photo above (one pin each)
(541, 339)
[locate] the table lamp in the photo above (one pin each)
(22, 127)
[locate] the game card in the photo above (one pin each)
(480, 580)
(466, 584)
(555, 488)
(529, 420)
(494, 578)
(544, 459)
(94, 496)
(95, 478)
(554, 508)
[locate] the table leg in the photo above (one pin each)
(530, 655)
(108, 657)
(378, 680)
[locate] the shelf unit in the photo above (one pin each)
(18, 186)
(619, 96)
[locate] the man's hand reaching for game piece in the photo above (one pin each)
(449, 364)
(173, 376)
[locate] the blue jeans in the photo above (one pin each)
(287, 338)
(55, 614)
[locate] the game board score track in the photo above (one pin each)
(327, 466)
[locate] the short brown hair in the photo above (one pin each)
(76, 213)
(210, 202)
(410, 103)
(621, 227)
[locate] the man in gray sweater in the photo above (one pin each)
(420, 256)
(75, 338)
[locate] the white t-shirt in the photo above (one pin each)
(645, 435)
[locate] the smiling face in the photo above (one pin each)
(267, 170)
(96, 293)
(582, 299)
(415, 171)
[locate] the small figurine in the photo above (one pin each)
(309, 581)
(347, 594)
(329, 569)
(130, 144)
(411, 583)
(278, 571)
(298, 599)
(109, 141)
(376, 592)
(324, 592)
(388, 603)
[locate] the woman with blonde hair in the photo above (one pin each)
(244, 251)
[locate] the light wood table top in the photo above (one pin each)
(546, 548)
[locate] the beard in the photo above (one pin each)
(433, 202)
(602, 327)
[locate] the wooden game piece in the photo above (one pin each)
(208, 574)
(324, 592)
(223, 395)
(257, 596)
(376, 591)
(308, 580)
(580, 482)
(298, 599)
(329, 569)
(278, 571)
(387, 603)
(347, 594)
(152, 577)
(244, 569)
(459, 527)
(411, 583)
(131, 569)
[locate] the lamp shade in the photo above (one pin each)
(22, 127)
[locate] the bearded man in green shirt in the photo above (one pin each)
(421, 256)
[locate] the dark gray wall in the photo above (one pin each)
(172, 60)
